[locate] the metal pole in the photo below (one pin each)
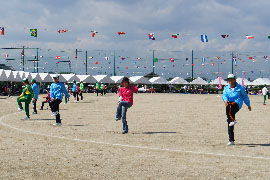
(153, 63)
(232, 62)
(35, 65)
(37, 60)
(23, 58)
(192, 66)
(114, 73)
(86, 62)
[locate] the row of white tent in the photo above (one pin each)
(17, 76)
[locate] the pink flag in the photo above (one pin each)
(220, 85)
(243, 80)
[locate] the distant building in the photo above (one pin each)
(3, 66)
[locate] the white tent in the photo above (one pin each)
(139, 80)
(3, 76)
(68, 78)
(199, 81)
(36, 76)
(117, 79)
(178, 80)
(17, 77)
(9, 75)
(216, 82)
(246, 82)
(158, 80)
(87, 78)
(104, 79)
(46, 77)
(27, 75)
(260, 81)
(21, 74)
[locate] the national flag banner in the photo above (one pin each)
(234, 58)
(151, 36)
(40, 56)
(249, 37)
(2, 31)
(6, 55)
(155, 59)
(107, 58)
(204, 38)
(62, 31)
(250, 58)
(203, 60)
(90, 57)
(224, 35)
(33, 32)
(123, 58)
(213, 64)
(94, 33)
(265, 57)
(217, 57)
(119, 33)
(139, 58)
(96, 62)
(58, 57)
(172, 59)
(175, 35)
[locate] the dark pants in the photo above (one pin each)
(81, 95)
(55, 108)
(97, 91)
(76, 96)
(231, 110)
(35, 105)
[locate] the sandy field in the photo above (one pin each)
(171, 136)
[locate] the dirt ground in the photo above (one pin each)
(172, 136)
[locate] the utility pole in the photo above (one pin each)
(114, 72)
(86, 62)
(37, 60)
(232, 62)
(192, 66)
(23, 57)
(153, 72)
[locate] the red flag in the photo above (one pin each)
(250, 58)
(119, 33)
(96, 62)
(58, 57)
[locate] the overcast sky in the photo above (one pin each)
(190, 18)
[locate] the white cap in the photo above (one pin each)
(231, 76)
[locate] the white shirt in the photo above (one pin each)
(264, 91)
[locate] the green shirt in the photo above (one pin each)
(27, 92)
(102, 86)
(81, 86)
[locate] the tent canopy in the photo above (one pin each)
(199, 81)
(178, 80)
(216, 82)
(104, 79)
(117, 79)
(158, 80)
(139, 80)
(87, 78)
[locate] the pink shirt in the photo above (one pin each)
(127, 93)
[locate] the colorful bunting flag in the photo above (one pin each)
(217, 57)
(94, 33)
(6, 55)
(62, 31)
(155, 59)
(204, 38)
(249, 37)
(265, 57)
(172, 59)
(175, 35)
(33, 32)
(107, 58)
(96, 62)
(123, 58)
(203, 60)
(2, 31)
(139, 58)
(90, 57)
(151, 36)
(250, 57)
(58, 57)
(224, 36)
(119, 33)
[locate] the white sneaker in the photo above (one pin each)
(54, 113)
(230, 143)
(233, 123)
(57, 124)
(26, 118)
(19, 109)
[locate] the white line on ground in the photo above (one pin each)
(127, 145)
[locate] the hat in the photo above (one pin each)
(55, 76)
(25, 80)
(74, 81)
(231, 76)
(33, 81)
(125, 79)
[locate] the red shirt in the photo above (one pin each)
(127, 93)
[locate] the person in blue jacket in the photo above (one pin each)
(36, 90)
(233, 96)
(74, 90)
(56, 93)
